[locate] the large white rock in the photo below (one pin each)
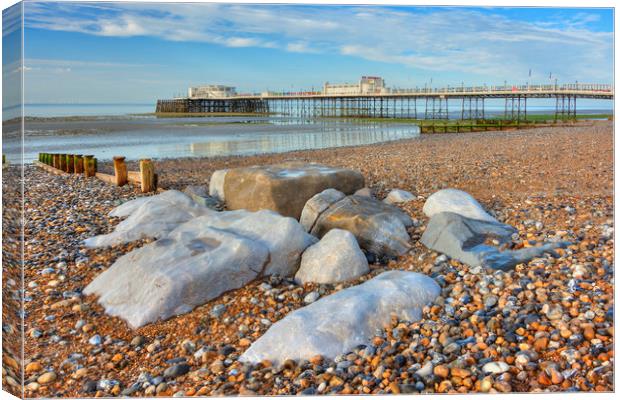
(283, 236)
(337, 323)
(397, 196)
(336, 258)
(173, 275)
(457, 202)
(216, 184)
(152, 216)
(316, 205)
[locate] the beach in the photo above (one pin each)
(545, 326)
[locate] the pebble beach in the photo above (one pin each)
(545, 326)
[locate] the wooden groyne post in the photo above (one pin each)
(78, 164)
(120, 170)
(90, 168)
(147, 176)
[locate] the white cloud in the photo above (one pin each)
(456, 40)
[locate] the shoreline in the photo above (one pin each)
(547, 182)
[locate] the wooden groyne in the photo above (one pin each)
(86, 165)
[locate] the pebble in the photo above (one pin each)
(176, 370)
(95, 340)
(46, 378)
(311, 297)
(496, 367)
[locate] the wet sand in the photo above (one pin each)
(550, 321)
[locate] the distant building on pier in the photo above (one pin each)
(366, 85)
(211, 92)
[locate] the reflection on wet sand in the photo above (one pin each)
(298, 141)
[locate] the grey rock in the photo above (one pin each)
(380, 228)
(176, 370)
(464, 239)
(200, 196)
(316, 205)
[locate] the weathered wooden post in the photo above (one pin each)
(147, 176)
(78, 166)
(120, 170)
(55, 160)
(89, 166)
(69, 163)
(63, 162)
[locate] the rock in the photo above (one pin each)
(149, 216)
(200, 196)
(441, 371)
(285, 188)
(89, 386)
(336, 258)
(46, 378)
(283, 237)
(337, 323)
(176, 370)
(138, 341)
(316, 205)
(379, 228)
(457, 202)
(311, 297)
(397, 196)
(197, 262)
(218, 310)
(216, 185)
(366, 192)
(464, 239)
(33, 367)
(495, 367)
(95, 340)
(173, 275)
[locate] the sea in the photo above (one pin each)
(107, 130)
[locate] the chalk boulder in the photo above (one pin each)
(337, 323)
(380, 228)
(397, 196)
(465, 239)
(173, 275)
(336, 258)
(284, 188)
(198, 261)
(149, 216)
(457, 202)
(284, 237)
(216, 185)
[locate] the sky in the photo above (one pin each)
(138, 52)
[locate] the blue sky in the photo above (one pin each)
(136, 52)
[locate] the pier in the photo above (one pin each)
(396, 103)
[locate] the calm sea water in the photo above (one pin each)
(142, 137)
(111, 130)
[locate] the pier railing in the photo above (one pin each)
(483, 89)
